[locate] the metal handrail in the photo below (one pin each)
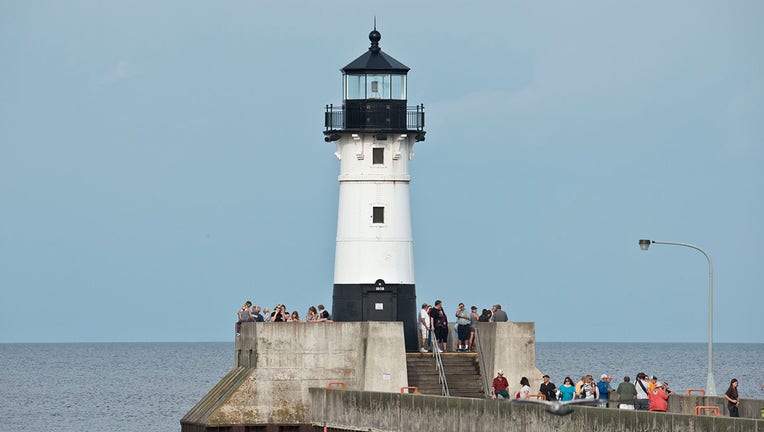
(339, 384)
(439, 366)
(715, 411)
(481, 362)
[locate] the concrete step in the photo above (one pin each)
(462, 374)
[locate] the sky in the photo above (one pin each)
(162, 162)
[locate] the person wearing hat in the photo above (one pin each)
(603, 385)
(548, 389)
(658, 398)
(473, 326)
(462, 327)
(500, 386)
(424, 325)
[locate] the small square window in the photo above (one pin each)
(378, 156)
(378, 215)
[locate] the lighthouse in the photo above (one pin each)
(375, 132)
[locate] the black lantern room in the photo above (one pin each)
(374, 97)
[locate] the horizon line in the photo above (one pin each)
(233, 341)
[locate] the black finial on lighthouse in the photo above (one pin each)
(374, 37)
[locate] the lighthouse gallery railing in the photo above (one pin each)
(374, 117)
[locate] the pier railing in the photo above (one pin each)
(439, 366)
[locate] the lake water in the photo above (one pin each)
(150, 386)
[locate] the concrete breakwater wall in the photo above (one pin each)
(748, 408)
(353, 410)
(276, 363)
(510, 346)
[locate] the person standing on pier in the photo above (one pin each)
(312, 315)
(473, 327)
(256, 315)
(603, 385)
(732, 398)
(244, 315)
(548, 389)
(525, 389)
(324, 314)
(567, 389)
(463, 329)
(485, 316)
(498, 314)
(626, 393)
(590, 389)
(439, 323)
(580, 388)
(642, 386)
(658, 398)
(424, 325)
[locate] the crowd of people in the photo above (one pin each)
(648, 394)
(248, 313)
(433, 324)
(433, 321)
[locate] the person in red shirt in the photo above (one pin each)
(658, 398)
(500, 386)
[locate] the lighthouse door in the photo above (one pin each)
(379, 306)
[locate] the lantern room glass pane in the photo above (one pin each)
(355, 86)
(398, 87)
(377, 86)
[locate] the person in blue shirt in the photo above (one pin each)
(604, 387)
(567, 389)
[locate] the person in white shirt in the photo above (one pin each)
(525, 389)
(643, 387)
(424, 325)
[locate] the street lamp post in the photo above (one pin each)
(710, 387)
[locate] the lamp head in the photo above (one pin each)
(644, 244)
(332, 137)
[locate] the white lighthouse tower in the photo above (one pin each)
(375, 133)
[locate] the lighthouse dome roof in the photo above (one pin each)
(375, 60)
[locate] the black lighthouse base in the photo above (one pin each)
(378, 302)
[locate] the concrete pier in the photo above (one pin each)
(276, 363)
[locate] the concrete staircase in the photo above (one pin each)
(462, 374)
